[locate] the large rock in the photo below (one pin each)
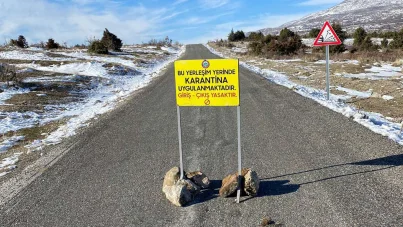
(229, 185)
(251, 186)
(249, 183)
(199, 178)
(178, 194)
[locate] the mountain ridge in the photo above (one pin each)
(372, 15)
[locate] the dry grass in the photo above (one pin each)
(307, 73)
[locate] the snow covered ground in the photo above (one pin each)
(99, 82)
(374, 121)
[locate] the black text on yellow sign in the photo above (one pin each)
(213, 82)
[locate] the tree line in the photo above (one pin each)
(288, 42)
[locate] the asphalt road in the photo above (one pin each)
(318, 168)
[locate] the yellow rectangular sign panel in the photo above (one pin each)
(212, 82)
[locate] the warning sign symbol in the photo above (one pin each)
(327, 36)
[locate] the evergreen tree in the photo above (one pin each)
(231, 36)
(239, 36)
(359, 35)
(111, 41)
(51, 44)
(342, 36)
(285, 34)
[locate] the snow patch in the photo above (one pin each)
(9, 143)
(8, 164)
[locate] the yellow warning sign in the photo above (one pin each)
(212, 82)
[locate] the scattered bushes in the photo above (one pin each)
(97, 47)
(222, 43)
(111, 41)
(362, 41)
(162, 42)
(286, 43)
(51, 44)
(20, 42)
(255, 36)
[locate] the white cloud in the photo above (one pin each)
(179, 2)
(205, 19)
(39, 20)
(211, 4)
(319, 2)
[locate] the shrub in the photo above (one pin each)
(384, 43)
(111, 41)
(8, 73)
(255, 36)
(359, 35)
(397, 42)
(20, 42)
(255, 48)
(314, 32)
(97, 47)
(285, 33)
(367, 44)
(268, 38)
(342, 36)
(51, 44)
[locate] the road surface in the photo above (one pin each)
(318, 168)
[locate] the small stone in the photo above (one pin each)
(266, 222)
(199, 178)
(229, 185)
(251, 186)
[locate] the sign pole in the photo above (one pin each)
(180, 141)
(238, 193)
(327, 73)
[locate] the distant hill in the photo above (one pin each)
(373, 15)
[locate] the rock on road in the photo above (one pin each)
(317, 167)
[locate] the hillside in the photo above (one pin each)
(373, 15)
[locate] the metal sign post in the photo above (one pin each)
(327, 73)
(238, 193)
(178, 110)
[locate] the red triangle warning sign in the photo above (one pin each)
(327, 36)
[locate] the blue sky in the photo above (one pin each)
(187, 21)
